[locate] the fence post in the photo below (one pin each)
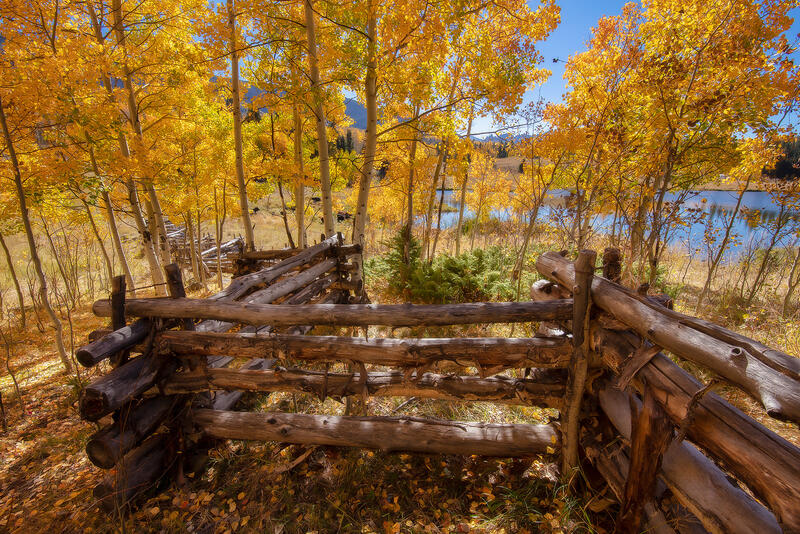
(584, 271)
(118, 315)
(176, 289)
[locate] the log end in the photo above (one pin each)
(100, 454)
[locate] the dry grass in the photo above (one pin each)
(46, 479)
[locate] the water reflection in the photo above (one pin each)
(701, 210)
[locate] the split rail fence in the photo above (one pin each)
(676, 456)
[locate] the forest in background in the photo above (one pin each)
(120, 118)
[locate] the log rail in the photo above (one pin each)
(647, 427)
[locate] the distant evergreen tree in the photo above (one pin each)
(502, 152)
(348, 145)
(788, 165)
(521, 167)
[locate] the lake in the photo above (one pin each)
(698, 207)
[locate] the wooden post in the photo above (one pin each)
(612, 268)
(118, 315)
(176, 289)
(652, 433)
(584, 270)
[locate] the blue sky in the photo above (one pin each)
(578, 17)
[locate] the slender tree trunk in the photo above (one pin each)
(199, 251)
(426, 236)
(322, 126)
(57, 258)
(791, 283)
(192, 253)
(299, 191)
(218, 226)
(412, 159)
(14, 278)
(760, 274)
(112, 227)
(133, 198)
(37, 263)
(714, 263)
(371, 135)
(439, 215)
(237, 130)
(158, 232)
(463, 199)
(106, 258)
(283, 214)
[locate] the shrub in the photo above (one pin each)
(474, 276)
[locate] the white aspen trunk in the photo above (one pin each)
(249, 237)
(371, 135)
(37, 263)
(147, 243)
(14, 278)
(322, 126)
(299, 191)
(463, 199)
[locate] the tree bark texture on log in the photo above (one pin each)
(242, 285)
(384, 433)
(350, 315)
(271, 293)
(111, 391)
(138, 471)
(226, 400)
(546, 393)
(768, 464)
(129, 336)
(108, 445)
(652, 433)
(695, 480)
(409, 352)
(579, 363)
(113, 342)
(768, 375)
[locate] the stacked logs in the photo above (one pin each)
(143, 433)
(675, 433)
(676, 456)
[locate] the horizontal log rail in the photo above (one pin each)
(408, 352)
(767, 463)
(383, 433)
(695, 480)
(769, 376)
(345, 315)
(548, 393)
(242, 285)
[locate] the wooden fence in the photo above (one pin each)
(677, 456)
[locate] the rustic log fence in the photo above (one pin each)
(676, 456)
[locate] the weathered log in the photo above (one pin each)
(579, 363)
(176, 289)
(384, 433)
(272, 293)
(111, 391)
(652, 434)
(118, 315)
(239, 287)
(694, 479)
(768, 464)
(226, 400)
(138, 471)
(350, 315)
(409, 352)
(107, 446)
(269, 254)
(769, 376)
(546, 393)
(112, 343)
(96, 334)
